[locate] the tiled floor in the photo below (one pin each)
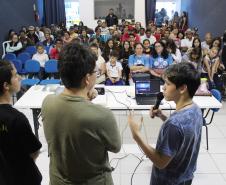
(211, 168)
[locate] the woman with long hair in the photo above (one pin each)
(159, 60)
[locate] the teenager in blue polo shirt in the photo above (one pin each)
(175, 155)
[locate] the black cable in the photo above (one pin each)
(131, 180)
(112, 92)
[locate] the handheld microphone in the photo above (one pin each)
(158, 101)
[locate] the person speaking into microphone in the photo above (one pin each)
(175, 155)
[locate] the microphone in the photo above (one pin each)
(158, 101)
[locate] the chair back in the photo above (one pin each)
(9, 56)
(216, 93)
(51, 66)
(32, 66)
(31, 50)
(24, 56)
(18, 64)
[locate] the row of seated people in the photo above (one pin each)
(123, 38)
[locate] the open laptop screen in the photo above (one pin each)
(147, 87)
(142, 87)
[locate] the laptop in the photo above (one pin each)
(146, 91)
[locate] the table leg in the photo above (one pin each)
(35, 113)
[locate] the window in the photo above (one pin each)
(72, 12)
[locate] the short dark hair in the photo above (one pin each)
(75, 62)
(113, 54)
(183, 73)
(93, 45)
(6, 69)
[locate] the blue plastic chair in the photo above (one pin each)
(18, 65)
(31, 66)
(218, 96)
(24, 56)
(9, 56)
(31, 50)
(50, 68)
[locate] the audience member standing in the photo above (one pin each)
(111, 18)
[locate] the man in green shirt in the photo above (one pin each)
(79, 133)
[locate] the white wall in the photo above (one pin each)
(87, 12)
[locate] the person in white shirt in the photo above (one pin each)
(174, 51)
(14, 46)
(104, 29)
(114, 70)
(41, 57)
(100, 64)
(40, 34)
(148, 35)
(206, 44)
(187, 42)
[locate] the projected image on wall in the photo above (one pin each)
(124, 9)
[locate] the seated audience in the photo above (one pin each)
(41, 57)
(210, 65)
(32, 36)
(159, 60)
(148, 35)
(109, 47)
(114, 70)
(207, 42)
(147, 47)
(54, 52)
(14, 46)
(84, 38)
(174, 51)
(66, 38)
(138, 62)
(100, 64)
(186, 43)
(194, 56)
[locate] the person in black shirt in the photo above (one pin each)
(18, 145)
(111, 18)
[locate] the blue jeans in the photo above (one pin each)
(109, 82)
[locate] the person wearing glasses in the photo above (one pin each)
(79, 133)
(159, 60)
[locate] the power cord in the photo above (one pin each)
(112, 92)
(141, 160)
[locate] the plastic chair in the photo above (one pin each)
(218, 96)
(50, 68)
(31, 66)
(9, 56)
(31, 50)
(24, 56)
(18, 64)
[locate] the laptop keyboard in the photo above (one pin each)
(146, 101)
